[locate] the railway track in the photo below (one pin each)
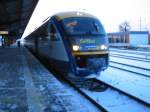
(130, 68)
(113, 91)
(125, 93)
(104, 107)
(63, 79)
(136, 66)
(144, 75)
(100, 100)
(131, 57)
(76, 87)
(131, 52)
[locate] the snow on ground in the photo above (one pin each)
(126, 67)
(116, 102)
(129, 51)
(129, 82)
(131, 62)
(133, 53)
(146, 56)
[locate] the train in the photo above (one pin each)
(72, 42)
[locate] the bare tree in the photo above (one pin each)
(124, 27)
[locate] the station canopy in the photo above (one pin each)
(14, 16)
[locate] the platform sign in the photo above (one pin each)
(3, 32)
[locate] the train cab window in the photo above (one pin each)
(53, 33)
(76, 25)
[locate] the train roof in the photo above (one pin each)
(63, 15)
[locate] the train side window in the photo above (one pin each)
(53, 33)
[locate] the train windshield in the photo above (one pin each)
(82, 26)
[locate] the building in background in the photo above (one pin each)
(130, 38)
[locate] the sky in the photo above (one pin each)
(110, 12)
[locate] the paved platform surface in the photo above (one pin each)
(26, 86)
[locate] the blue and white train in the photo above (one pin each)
(73, 43)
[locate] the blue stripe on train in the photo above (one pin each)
(67, 47)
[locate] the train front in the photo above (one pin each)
(89, 45)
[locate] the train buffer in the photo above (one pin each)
(25, 85)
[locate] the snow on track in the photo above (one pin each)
(114, 101)
(131, 62)
(133, 84)
(131, 68)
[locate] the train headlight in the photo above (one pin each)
(103, 47)
(75, 48)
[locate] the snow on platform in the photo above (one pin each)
(25, 85)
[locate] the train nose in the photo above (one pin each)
(95, 64)
(86, 65)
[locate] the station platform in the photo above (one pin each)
(26, 86)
